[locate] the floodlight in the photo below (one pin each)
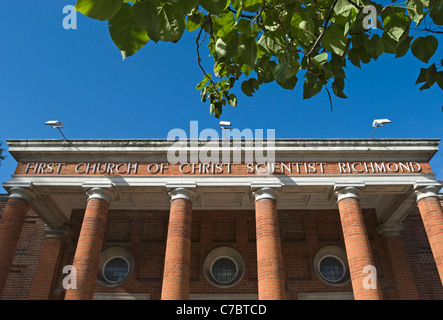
(55, 124)
(224, 125)
(379, 123)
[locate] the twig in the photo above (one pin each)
(324, 28)
(198, 52)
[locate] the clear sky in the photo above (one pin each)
(78, 77)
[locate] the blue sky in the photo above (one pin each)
(78, 77)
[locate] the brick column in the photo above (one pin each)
(89, 246)
(48, 263)
(176, 274)
(432, 215)
(11, 225)
(405, 285)
(270, 269)
(358, 249)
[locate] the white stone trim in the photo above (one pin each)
(181, 193)
(22, 193)
(55, 231)
(264, 193)
(121, 296)
(99, 193)
(388, 230)
(350, 191)
(326, 296)
(220, 181)
(426, 191)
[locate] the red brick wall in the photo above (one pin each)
(303, 233)
(26, 256)
(421, 258)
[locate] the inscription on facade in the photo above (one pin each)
(164, 168)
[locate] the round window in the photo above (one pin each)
(331, 266)
(116, 265)
(116, 270)
(224, 267)
(331, 269)
(224, 270)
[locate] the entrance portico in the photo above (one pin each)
(350, 178)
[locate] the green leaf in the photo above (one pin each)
(431, 77)
(229, 49)
(124, 32)
(321, 58)
(232, 100)
(437, 16)
(214, 6)
(334, 39)
(354, 57)
(247, 51)
(194, 21)
(338, 86)
(376, 46)
(249, 86)
(422, 76)
(252, 5)
(415, 10)
(423, 48)
(223, 24)
(403, 46)
(172, 22)
(302, 28)
(188, 5)
(396, 22)
(310, 88)
(342, 6)
(146, 17)
(440, 79)
(272, 43)
(98, 9)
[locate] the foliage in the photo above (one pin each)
(254, 42)
(2, 156)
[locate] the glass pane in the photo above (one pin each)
(116, 270)
(332, 269)
(224, 270)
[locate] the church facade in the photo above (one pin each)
(291, 219)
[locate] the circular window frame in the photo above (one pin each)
(104, 267)
(106, 256)
(337, 253)
(217, 254)
(224, 282)
(322, 275)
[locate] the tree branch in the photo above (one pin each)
(198, 44)
(324, 28)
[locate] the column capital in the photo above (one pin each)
(389, 230)
(426, 190)
(343, 191)
(56, 231)
(22, 192)
(185, 193)
(264, 192)
(100, 193)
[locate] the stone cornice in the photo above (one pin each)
(418, 149)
